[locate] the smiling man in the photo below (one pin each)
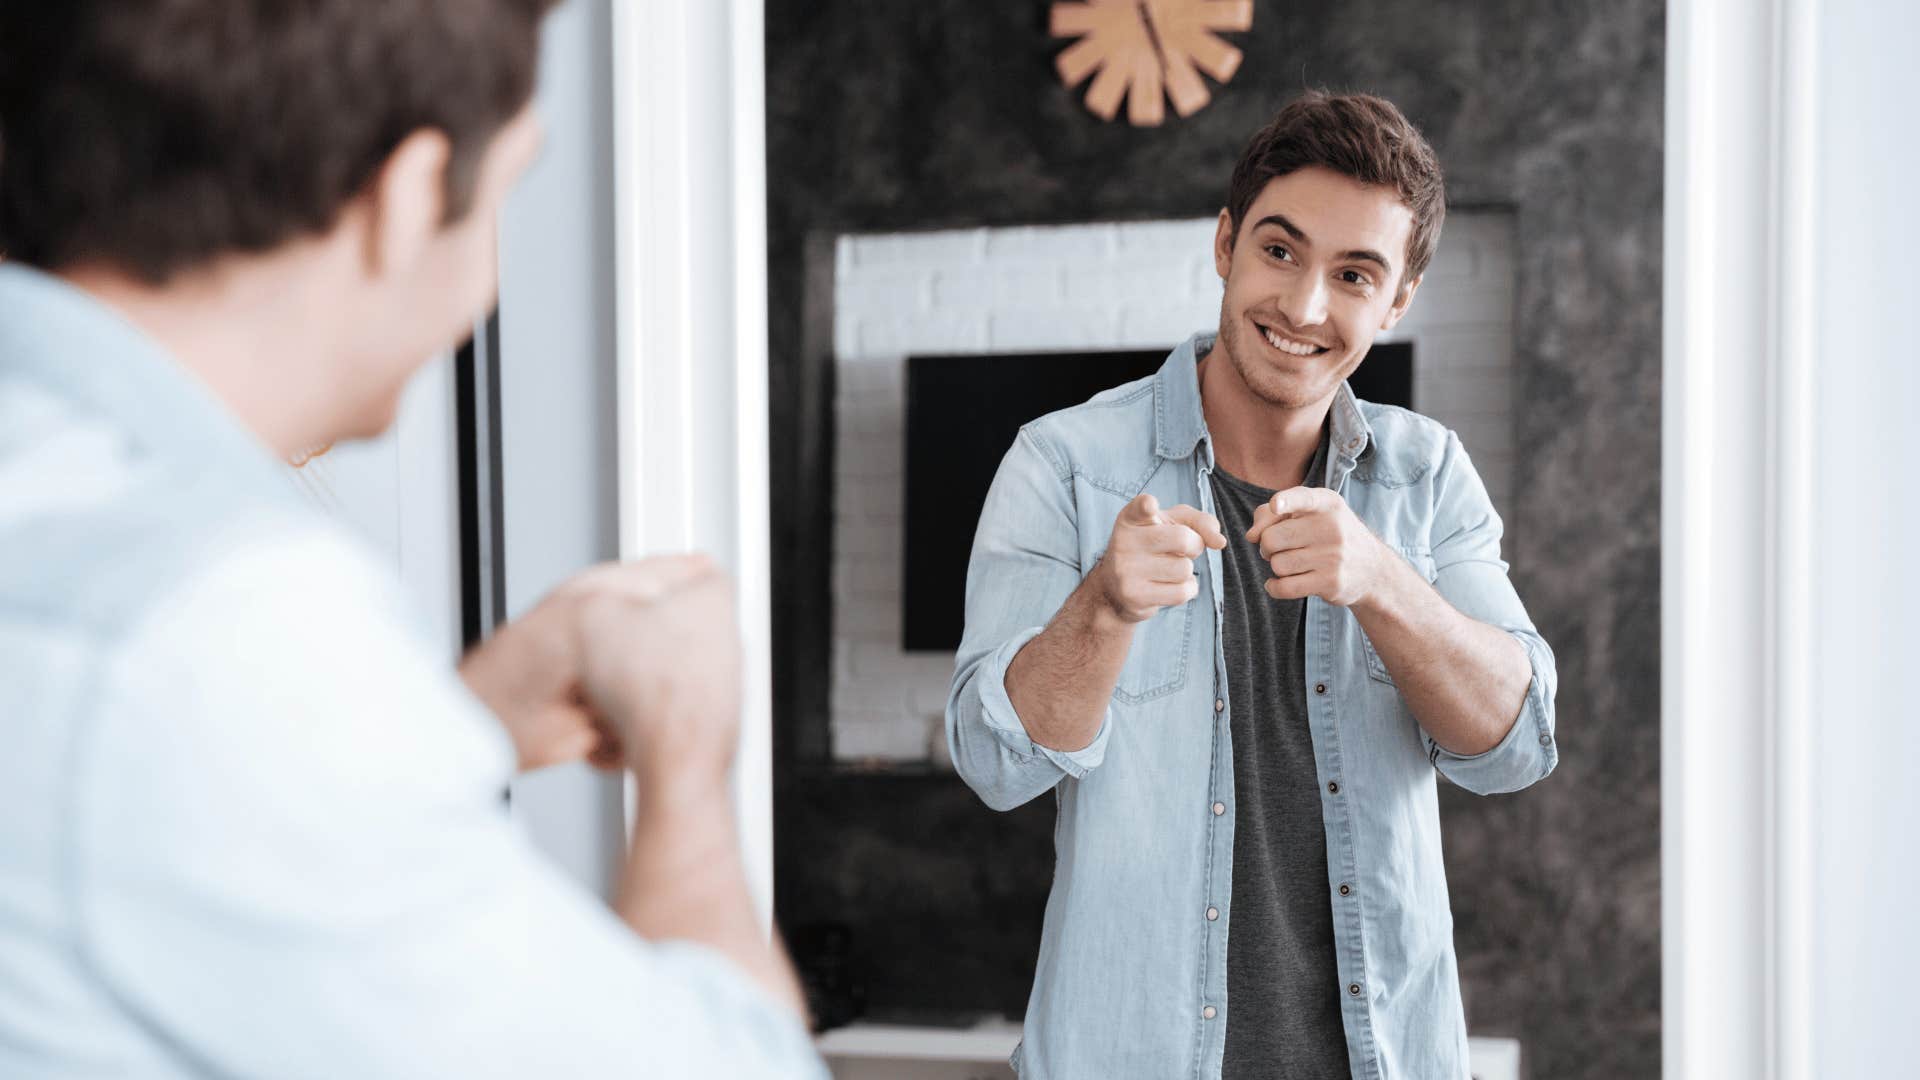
(1237, 620)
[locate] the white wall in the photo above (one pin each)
(557, 388)
(1108, 286)
(1790, 605)
(1864, 889)
(400, 492)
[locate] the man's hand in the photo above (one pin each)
(1149, 559)
(1463, 680)
(1317, 546)
(639, 663)
(661, 660)
(528, 675)
(583, 676)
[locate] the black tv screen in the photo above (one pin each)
(963, 413)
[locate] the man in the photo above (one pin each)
(251, 827)
(1235, 619)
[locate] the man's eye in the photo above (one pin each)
(1279, 252)
(1354, 277)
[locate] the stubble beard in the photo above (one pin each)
(1257, 374)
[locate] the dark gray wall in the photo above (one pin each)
(884, 115)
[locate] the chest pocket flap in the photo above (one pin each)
(1157, 660)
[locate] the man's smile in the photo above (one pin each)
(1288, 344)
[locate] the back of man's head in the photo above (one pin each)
(154, 136)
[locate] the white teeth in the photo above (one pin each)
(1292, 348)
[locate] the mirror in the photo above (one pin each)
(958, 247)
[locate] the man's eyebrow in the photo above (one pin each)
(1357, 255)
(1291, 229)
(1369, 255)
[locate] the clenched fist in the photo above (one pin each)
(1149, 559)
(1317, 546)
(634, 663)
(660, 660)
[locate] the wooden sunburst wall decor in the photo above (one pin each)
(1148, 51)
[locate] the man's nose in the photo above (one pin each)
(1305, 302)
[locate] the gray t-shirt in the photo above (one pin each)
(1283, 993)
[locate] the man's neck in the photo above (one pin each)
(1253, 439)
(256, 335)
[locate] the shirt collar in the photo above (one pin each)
(1180, 424)
(58, 336)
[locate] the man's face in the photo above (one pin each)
(1312, 276)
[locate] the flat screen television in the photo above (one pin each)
(963, 413)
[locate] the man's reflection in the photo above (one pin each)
(1236, 618)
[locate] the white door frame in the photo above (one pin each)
(691, 257)
(1736, 498)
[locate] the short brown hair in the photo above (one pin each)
(156, 134)
(1356, 135)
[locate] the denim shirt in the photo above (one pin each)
(1131, 978)
(250, 818)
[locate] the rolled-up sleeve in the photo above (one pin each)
(1471, 575)
(1025, 564)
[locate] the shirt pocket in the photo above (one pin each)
(1157, 660)
(1422, 560)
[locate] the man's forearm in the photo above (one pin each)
(684, 881)
(1060, 681)
(1463, 680)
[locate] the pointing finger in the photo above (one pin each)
(1298, 500)
(1143, 510)
(1200, 522)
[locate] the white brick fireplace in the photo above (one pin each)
(1143, 285)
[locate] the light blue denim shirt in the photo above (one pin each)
(250, 819)
(1131, 979)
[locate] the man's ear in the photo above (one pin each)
(1223, 245)
(406, 202)
(1401, 303)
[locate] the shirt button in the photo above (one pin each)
(1219, 704)
(1354, 989)
(1208, 1012)
(1213, 914)
(1319, 688)
(1333, 787)
(1346, 889)
(1546, 740)
(1219, 808)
